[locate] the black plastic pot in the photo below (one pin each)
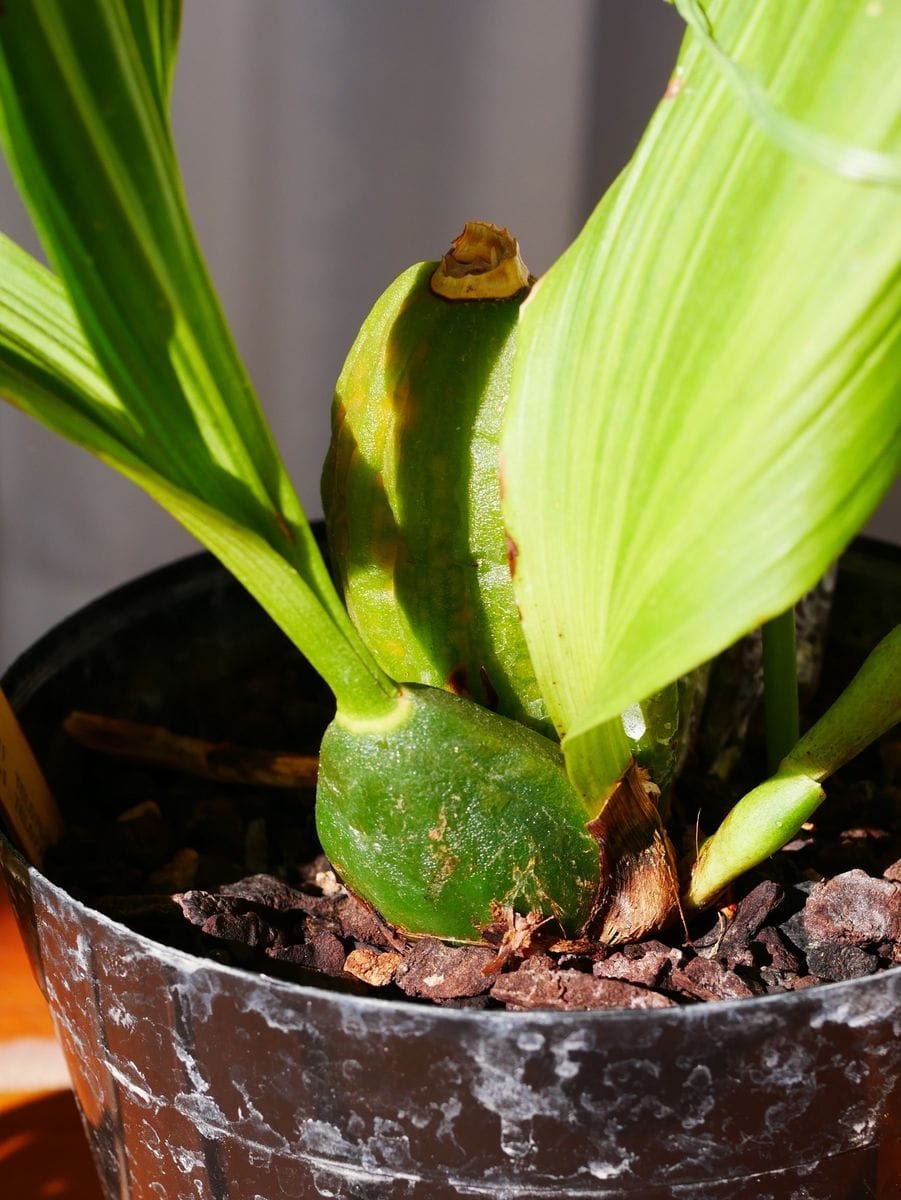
(199, 1081)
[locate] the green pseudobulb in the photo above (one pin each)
(445, 812)
(412, 498)
(446, 809)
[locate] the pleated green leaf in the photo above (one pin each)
(48, 370)
(84, 120)
(155, 26)
(705, 404)
(104, 192)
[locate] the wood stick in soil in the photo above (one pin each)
(224, 762)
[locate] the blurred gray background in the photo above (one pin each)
(326, 145)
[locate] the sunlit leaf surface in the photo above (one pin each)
(705, 406)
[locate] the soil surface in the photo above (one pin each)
(235, 873)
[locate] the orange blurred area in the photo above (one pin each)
(43, 1152)
(23, 1012)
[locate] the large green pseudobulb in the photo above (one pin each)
(410, 486)
(446, 812)
(412, 494)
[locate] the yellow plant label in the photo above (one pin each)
(27, 802)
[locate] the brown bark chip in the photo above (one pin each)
(706, 979)
(179, 873)
(439, 972)
(197, 905)
(246, 928)
(358, 921)
(323, 952)
(648, 968)
(264, 890)
(533, 985)
(833, 962)
(751, 915)
(855, 909)
(782, 956)
(798, 983)
(374, 968)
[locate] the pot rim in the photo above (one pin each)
(183, 577)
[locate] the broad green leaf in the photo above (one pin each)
(48, 370)
(84, 92)
(705, 401)
(104, 191)
(792, 135)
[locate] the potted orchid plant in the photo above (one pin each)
(549, 503)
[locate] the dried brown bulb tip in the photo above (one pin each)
(484, 263)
